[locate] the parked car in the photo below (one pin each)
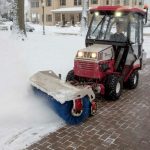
(3, 26)
(28, 28)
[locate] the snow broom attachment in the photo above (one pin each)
(73, 104)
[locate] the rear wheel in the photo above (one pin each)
(133, 80)
(113, 87)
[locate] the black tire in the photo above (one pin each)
(70, 76)
(133, 80)
(113, 87)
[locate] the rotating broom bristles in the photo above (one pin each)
(65, 110)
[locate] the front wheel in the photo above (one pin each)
(113, 87)
(70, 76)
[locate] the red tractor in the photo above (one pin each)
(114, 52)
(111, 60)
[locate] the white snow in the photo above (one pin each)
(70, 9)
(146, 46)
(24, 117)
(50, 84)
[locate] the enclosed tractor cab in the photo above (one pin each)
(114, 52)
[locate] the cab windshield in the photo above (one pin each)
(108, 28)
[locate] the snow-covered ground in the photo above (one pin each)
(25, 118)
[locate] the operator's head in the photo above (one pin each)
(119, 26)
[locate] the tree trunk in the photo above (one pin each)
(84, 19)
(18, 18)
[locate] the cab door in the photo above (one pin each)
(136, 40)
(134, 34)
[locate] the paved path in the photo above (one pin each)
(118, 125)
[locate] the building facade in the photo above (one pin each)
(63, 12)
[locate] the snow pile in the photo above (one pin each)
(25, 118)
(58, 30)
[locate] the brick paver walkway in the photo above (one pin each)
(118, 125)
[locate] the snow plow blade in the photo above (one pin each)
(73, 104)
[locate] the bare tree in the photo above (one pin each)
(18, 17)
(84, 19)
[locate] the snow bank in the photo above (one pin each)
(24, 118)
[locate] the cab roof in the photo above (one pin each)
(112, 9)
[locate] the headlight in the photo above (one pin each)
(94, 55)
(96, 13)
(80, 54)
(118, 14)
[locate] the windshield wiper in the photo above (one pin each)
(98, 24)
(109, 22)
(100, 31)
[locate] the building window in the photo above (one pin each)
(57, 17)
(35, 18)
(140, 2)
(34, 4)
(94, 1)
(48, 18)
(126, 2)
(107, 2)
(80, 16)
(117, 2)
(134, 2)
(48, 2)
(77, 2)
(62, 2)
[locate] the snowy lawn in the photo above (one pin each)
(25, 118)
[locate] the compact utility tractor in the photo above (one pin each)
(111, 60)
(114, 51)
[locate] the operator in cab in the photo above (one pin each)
(119, 35)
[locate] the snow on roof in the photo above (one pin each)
(69, 9)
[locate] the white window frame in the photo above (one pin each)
(77, 2)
